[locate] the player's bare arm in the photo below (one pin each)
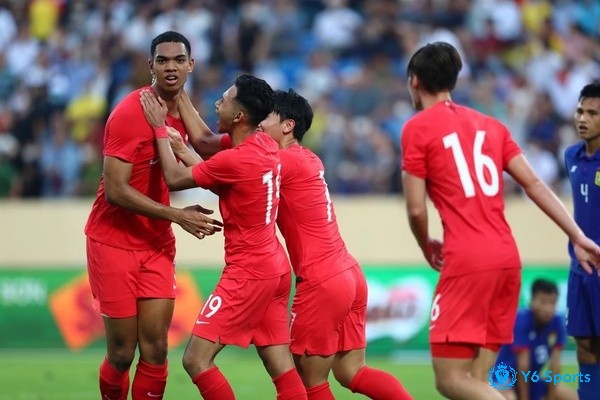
(206, 142)
(523, 364)
(555, 367)
(177, 176)
(586, 251)
(117, 174)
(155, 111)
(416, 208)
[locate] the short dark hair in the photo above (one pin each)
(436, 65)
(255, 95)
(591, 90)
(290, 105)
(543, 286)
(170, 37)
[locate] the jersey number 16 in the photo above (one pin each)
(481, 163)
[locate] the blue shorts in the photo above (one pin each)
(583, 302)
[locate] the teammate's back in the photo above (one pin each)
(462, 154)
(307, 218)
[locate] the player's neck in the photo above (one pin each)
(169, 98)
(430, 100)
(592, 146)
(287, 141)
(240, 132)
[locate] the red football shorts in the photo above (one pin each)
(244, 311)
(330, 317)
(472, 311)
(120, 277)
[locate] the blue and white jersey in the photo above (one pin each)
(540, 341)
(584, 176)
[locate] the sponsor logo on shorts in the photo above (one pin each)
(150, 394)
(198, 322)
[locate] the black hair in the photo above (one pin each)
(436, 65)
(255, 95)
(170, 37)
(290, 105)
(543, 286)
(591, 90)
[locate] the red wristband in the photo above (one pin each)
(161, 132)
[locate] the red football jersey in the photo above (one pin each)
(129, 137)
(307, 218)
(462, 154)
(246, 178)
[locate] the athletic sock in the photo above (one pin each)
(213, 385)
(320, 392)
(114, 384)
(289, 386)
(589, 384)
(149, 381)
(378, 385)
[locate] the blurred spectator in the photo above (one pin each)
(66, 63)
(61, 160)
(336, 27)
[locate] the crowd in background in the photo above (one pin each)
(64, 65)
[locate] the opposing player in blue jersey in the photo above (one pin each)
(582, 162)
(539, 337)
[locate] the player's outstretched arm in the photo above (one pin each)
(586, 251)
(202, 138)
(117, 174)
(416, 209)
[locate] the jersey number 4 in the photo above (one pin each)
(481, 163)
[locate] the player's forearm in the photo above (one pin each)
(175, 173)
(418, 222)
(130, 199)
(523, 365)
(187, 157)
(551, 205)
(201, 137)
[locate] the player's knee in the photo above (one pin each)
(509, 394)
(194, 363)
(121, 358)
(154, 352)
(344, 374)
(445, 386)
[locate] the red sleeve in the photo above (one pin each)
(219, 169)
(123, 138)
(510, 148)
(225, 142)
(413, 151)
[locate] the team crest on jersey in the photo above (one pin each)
(552, 338)
(597, 179)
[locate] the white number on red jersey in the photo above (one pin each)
(327, 196)
(481, 163)
(272, 193)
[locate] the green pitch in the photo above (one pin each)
(60, 375)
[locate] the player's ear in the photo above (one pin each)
(288, 126)
(413, 81)
(238, 116)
